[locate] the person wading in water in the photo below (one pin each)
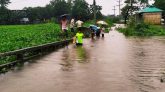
(79, 37)
(64, 26)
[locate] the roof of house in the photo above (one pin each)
(150, 9)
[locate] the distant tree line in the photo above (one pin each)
(78, 9)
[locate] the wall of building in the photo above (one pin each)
(152, 18)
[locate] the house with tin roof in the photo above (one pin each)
(150, 14)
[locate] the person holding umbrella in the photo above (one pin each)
(64, 24)
(102, 31)
(102, 24)
(95, 31)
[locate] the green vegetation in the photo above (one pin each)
(78, 9)
(88, 23)
(20, 36)
(143, 30)
(14, 37)
(160, 4)
(107, 30)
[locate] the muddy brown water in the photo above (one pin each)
(112, 64)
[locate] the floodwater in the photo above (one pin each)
(112, 64)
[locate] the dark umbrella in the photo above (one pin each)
(65, 15)
(94, 27)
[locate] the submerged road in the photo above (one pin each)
(112, 64)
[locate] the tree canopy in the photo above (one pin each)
(4, 12)
(128, 9)
(78, 9)
(160, 4)
(4, 3)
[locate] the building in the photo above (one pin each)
(24, 20)
(151, 15)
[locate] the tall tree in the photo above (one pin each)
(97, 10)
(4, 12)
(129, 8)
(4, 3)
(70, 3)
(160, 4)
(81, 10)
(143, 3)
(60, 7)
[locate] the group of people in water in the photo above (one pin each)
(79, 34)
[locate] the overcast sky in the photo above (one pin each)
(107, 5)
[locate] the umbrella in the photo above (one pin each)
(102, 23)
(94, 27)
(65, 15)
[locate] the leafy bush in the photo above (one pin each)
(88, 23)
(21, 36)
(143, 29)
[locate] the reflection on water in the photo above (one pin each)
(75, 54)
(67, 62)
(82, 56)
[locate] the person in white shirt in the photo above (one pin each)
(79, 23)
(72, 25)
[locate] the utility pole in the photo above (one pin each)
(94, 10)
(131, 7)
(119, 6)
(114, 10)
(147, 2)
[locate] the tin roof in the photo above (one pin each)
(150, 9)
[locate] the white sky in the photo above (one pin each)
(107, 5)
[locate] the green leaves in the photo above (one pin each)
(22, 36)
(143, 30)
(4, 3)
(81, 10)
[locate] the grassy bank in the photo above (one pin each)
(21, 36)
(143, 30)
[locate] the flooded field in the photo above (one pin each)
(112, 64)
